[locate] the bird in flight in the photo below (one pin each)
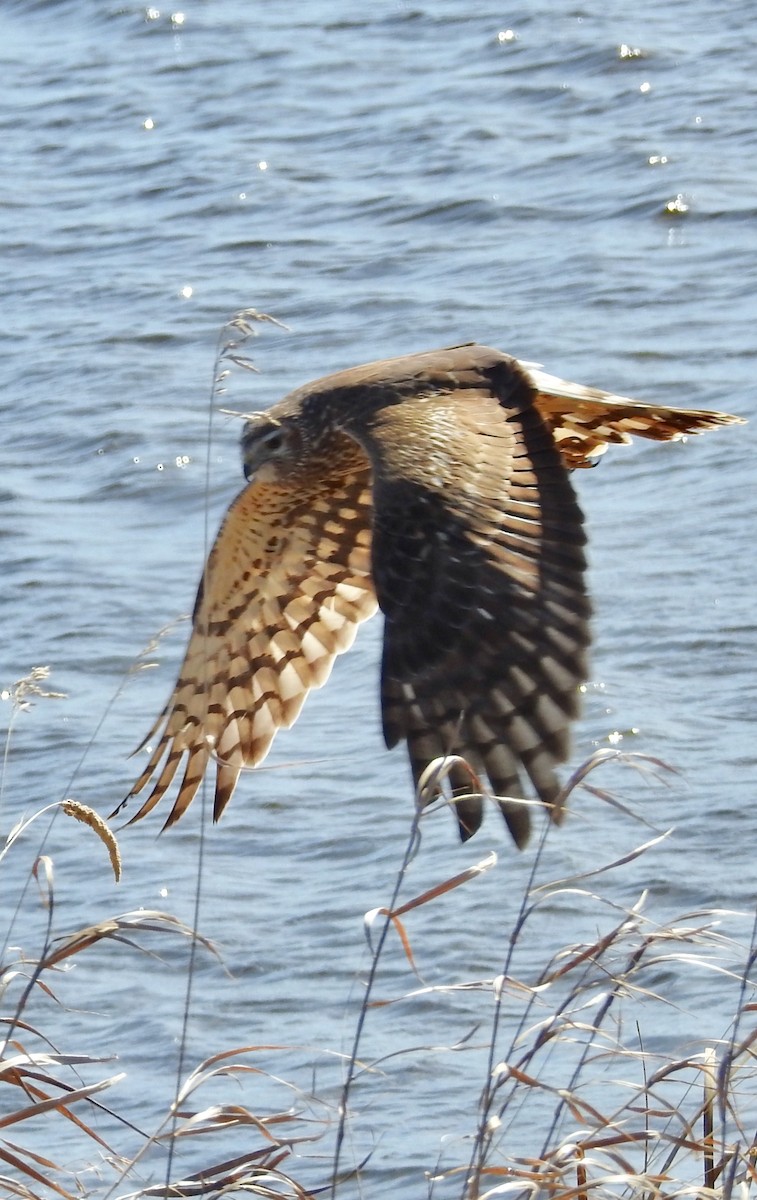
(437, 488)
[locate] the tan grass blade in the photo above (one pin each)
(59, 1103)
(17, 1188)
(440, 889)
(368, 921)
(116, 928)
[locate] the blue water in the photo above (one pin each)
(383, 181)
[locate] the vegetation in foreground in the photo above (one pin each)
(561, 1041)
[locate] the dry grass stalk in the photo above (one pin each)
(82, 812)
(709, 1069)
(433, 893)
(238, 330)
(256, 1171)
(32, 1075)
(27, 689)
(597, 1149)
(115, 929)
(640, 1147)
(22, 694)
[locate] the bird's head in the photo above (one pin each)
(269, 447)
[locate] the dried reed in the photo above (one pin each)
(558, 1041)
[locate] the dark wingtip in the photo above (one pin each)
(469, 813)
(518, 822)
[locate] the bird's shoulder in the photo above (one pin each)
(389, 380)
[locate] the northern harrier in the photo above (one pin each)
(437, 488)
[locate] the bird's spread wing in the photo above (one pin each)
(286, 584)
(585, 421)
(442, 480)
(478, 564)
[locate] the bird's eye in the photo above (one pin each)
(274, 440)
